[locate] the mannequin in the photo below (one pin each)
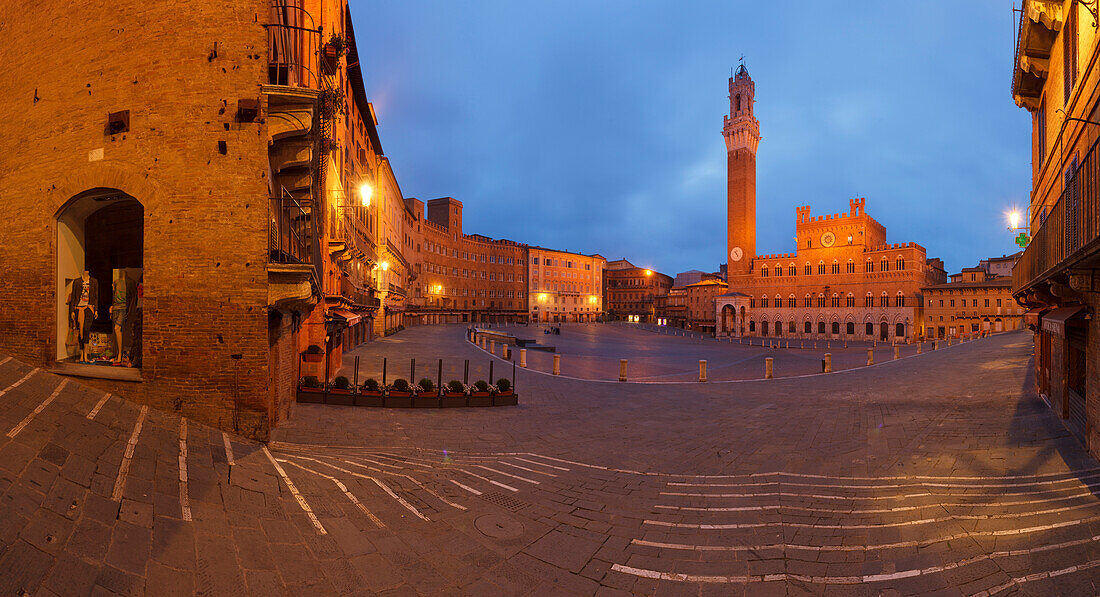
(120, 308)
(83, 308)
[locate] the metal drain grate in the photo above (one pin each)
(504, 501)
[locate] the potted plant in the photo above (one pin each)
(310, 390)
(427, 396)
(333, 50)
(370, 394)
(313, 354)
(339, 392)
(505, 396)
(399, 395)
(480, 396)
(455, 395)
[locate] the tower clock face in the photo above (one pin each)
(736, 254)
(828, 239)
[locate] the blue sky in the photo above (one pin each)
(596, 126)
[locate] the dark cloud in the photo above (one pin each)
(595, 126)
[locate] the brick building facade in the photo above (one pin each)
(975, 304)
(843, 280)
(1055, 77)
(564, 286)
(631, 292)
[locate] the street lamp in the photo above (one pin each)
(365, 193)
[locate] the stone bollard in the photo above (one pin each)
(920, 347)
(523, 357)
(828, 362)
(897, 352)
(622, 369)
(768, 368)
(845, 344)
(492, 346)
(702, 370)
(949, 340)
(788, 343)
(557, 364)
(507, 350)
(870, 356)
(935, 344)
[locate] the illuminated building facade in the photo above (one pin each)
(564, 286)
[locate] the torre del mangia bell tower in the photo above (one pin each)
(742, 133)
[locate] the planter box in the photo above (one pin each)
(313, 357)
(451, 400)
(506, 399)
(366, 398)
(343, 397)
(311, 395)
(395, 399)
(429, 401)
(480, 399)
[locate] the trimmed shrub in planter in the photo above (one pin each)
(505, 396)
(370, 394)
(399, 394)
(455, 395)
(310, 390)
(427, 396)
(313, 354)
(339, 392)
(481, 396)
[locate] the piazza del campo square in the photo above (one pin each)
(641, 298)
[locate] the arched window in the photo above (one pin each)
(883, 301)
(899, 300)
(850, 301)
(764, 328)
(899, 330)
(752, 302)
(807, 301)
(790, 327)
(791, 269)
(835, 300)
(836, 267)
(869, 301)
(764, 302)
(836, 328)
(763, 271)
(738, 97)
(752, 325)
(778, 270)
(821, 267)
(901, 263)
(808, 327)
(821, 327)
(820, 299)
(851, 266)
(870, 329)
(792, 303)
(885, 265)
(809, 268)
(778, 328)
(850, 329)
(870, 266)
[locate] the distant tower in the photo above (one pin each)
(742, 134)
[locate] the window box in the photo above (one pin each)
(398, 399)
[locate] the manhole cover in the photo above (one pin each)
(498, 526)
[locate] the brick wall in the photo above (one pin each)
(179, 69)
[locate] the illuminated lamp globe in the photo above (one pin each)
(365, 193)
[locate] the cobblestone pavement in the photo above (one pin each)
(941, 473)
(593, 351)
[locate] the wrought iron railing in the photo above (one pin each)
(290, 230)
(1067, 228)
(294, 46)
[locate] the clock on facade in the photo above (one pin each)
(828, 239)
(736, 253)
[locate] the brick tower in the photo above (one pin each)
(742, 134)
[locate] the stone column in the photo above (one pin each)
(523, 357)
(557, 364)
(768, 367)
(828, 362)
(702, 370)
(622, 369)
(897, 352)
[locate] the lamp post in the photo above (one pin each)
(1014, 225)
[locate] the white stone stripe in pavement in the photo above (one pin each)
(755, 525)
(342, 488)
(477, 476)
(875, 510)
(466, 487)
(1018, 580)
(98, 405)
(895, 477)
(185, 500)
(128, 455)
(795, 547)
(228, 449)
(865, 578)
(560, 468)
(493, 470)
(37, 410)
(881, 497)
(524, 468)
(918, 484)
(377, 482)
(6, 359)
(294, 491)
(412, 480)
(401, 460)
(18, 383)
